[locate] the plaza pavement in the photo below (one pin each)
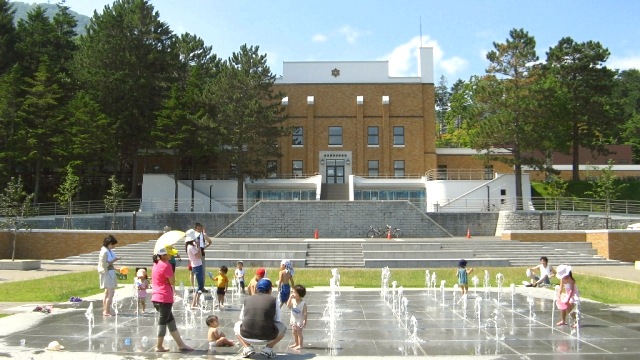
(366, 327)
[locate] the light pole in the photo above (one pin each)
(210, 186)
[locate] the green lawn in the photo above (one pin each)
(61, 287)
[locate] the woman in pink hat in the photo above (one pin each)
(568, 294)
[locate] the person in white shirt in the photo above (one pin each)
(239, 275)
(203, 242)
(545, 273)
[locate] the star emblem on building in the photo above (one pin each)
(335, 72)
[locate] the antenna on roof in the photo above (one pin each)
(420, 30)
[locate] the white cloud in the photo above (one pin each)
(624, 63)
(319, 38)
(454, 65)
(403, 60)
(350, 34)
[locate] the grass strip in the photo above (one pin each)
(60, 288)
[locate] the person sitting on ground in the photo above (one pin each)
(260, 274)
(215, 337)
(260, 320)
(546, 272)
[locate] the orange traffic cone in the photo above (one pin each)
(316, 235)
(389, 234)
(468, 233)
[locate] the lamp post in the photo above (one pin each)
(488, 199)
(210, 186)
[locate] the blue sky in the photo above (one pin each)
(461, 31)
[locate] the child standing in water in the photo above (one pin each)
(141, 284)
(285, 281)
(568, 295)
(298, 315)
(215, 337)
(222, 282)
(463, 279)
(239, 275)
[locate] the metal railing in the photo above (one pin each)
(459, 174)
(83, 207)
(566, 204)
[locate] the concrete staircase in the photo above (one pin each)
(368, 253)
(335, 192)
(330, 254)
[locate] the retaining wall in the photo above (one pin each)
(622, 245)
(56, 244)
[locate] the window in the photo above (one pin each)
(442, 172)
(335, 135)
(373, 137)
(398, 135)
(297, 136)
(398, 168)
(272, 168)
(297, 167)
(374, 168)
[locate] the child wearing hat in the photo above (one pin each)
(463, 279)
(260, 274)
(568, 294)
(141, 284)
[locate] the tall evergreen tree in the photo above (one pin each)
(503, 103)
(127, 63)
(580, 69)
(249, 113)
(7, 36)
(40, 123)
(627, 96)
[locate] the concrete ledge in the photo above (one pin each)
(433, 263)
(19, 264)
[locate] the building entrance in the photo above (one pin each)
(335, 171)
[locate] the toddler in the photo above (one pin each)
(239, 275)
(141, 284)
(215, 336)
(462, 273)
(298, 314)
(222, 282)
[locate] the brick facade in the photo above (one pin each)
(56, 244)
(410, 106)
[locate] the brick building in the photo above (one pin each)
(360, 134)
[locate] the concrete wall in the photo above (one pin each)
(333, 219)
(55, 244)
(545, 235)
(622, 245)
(546, 220)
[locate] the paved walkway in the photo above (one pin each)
(363, 326)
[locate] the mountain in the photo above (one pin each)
(23, 8)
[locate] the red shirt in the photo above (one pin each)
(162, 289)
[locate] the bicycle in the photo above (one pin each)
(375, 232)
(395, 232)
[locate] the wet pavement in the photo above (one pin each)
(348, 323)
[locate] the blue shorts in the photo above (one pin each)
(285, 291)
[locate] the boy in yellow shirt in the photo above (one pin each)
(222, 282)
